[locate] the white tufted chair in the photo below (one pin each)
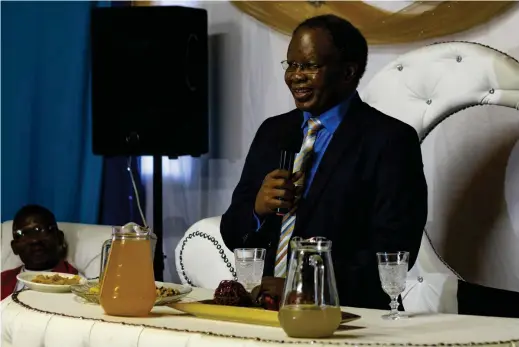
(84, 246)
(201, 257)
(421, 88)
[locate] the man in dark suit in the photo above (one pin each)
(363, 186)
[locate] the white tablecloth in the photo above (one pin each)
(62, 320)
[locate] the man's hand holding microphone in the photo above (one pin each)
(277, 193)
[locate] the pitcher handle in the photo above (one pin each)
(105, 251)
(317, 262)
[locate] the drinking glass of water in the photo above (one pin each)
(249, 266)
(392, 269)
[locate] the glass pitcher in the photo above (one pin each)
(105, 249)
(128, 283)
(310, 303)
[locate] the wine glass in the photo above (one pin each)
(392, 269)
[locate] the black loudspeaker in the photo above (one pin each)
(149, 81)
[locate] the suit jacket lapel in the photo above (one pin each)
(344, 136)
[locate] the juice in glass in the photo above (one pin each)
(128, 284)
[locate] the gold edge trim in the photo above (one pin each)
(16, 300)
(378, 26)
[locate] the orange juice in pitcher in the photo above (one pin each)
(128, 283)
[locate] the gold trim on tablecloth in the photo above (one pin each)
(16, 300)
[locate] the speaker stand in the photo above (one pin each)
(158, 259)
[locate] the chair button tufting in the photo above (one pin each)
(491, 91)
(399, 67)
(420, 279)
(429, 101)
(459, 58)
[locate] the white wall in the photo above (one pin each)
(247, 87)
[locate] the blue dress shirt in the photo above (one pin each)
(330, 121)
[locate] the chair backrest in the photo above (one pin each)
(84, 246)
(426, 86)
(201, 257)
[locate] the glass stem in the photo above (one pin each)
(394, 305)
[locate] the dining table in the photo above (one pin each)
(35, 319)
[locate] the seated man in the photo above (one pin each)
(359, 173)
(39, 244)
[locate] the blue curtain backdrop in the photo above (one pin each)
(46, 121)
(118, 201)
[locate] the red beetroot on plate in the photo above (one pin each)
(295, 298)
(232, 293)
(269, 302)
(268, 295)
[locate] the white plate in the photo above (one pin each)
(27, 277)
(83, 291)
(182, 289)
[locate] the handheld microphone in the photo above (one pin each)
(286, 162)
(290, 146)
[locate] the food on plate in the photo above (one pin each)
(162, 292)
(165, 292)
(295, 298)
(56, 280)
(267, 295)
(232, 293)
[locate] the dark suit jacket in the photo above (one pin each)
(368, 195)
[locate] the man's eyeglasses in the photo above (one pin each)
(34, 232)
(292, 66)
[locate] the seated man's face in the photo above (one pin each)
(38, 244)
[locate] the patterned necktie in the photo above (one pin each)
(289, 220)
